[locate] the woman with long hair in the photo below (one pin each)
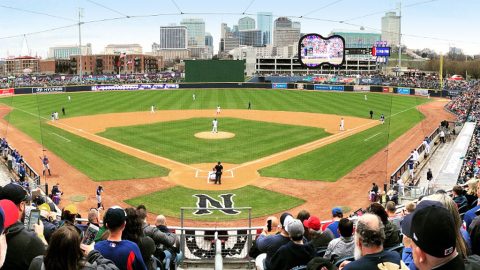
(64, 253)
(134, 232)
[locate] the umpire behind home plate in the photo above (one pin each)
(218, 173)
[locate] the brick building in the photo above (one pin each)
(111, 63)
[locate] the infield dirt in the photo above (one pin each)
(350, 190)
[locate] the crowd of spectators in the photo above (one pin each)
(63, 80)
(122, 239)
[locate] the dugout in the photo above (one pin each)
(214, 70)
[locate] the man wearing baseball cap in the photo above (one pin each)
(337, 214)
(318, 239)
(294, 253)
(8, 217)
(125, 254)
(23, 245)
(270, 244)
(432, 230)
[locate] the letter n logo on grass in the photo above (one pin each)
(204, 201)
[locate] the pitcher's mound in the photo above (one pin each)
(213, 136)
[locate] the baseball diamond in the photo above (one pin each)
(290, 139)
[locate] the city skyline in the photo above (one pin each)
(439, 28)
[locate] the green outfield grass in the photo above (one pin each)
(98, 162)
(348, 153)
(169, 201)
(176, 140)
(102, 163)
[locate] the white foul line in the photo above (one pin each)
(60, 136)
(372, 136)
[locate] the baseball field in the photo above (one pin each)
(287, 152)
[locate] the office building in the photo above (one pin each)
(264, 23)
(173, 37)
(64, 52)
(246, 23)
(391, 25)
(123, 48)
(195, 32)
(358, 39)
(284, 34)
(250, 37)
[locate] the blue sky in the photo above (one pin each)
(451, 23)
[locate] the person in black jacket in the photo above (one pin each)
(294, 253)
(23, 245)
(64, 252)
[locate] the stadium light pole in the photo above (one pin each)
(80, 11)
(400, 35)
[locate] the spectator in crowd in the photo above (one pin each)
(337, 214)
(64, 252)
(48, 219)
(459, 197)
(133, 232)
(172, 254)
(409, 208)
(162, 240)
(302, 216)
(125, 254)
(69, 214)
(94, 217)
(270, 244)
(319, 263)
(392, 214)
(463, 243)
(407, 256)
(342, 247)
(271, 228)
(392, 233)
(471, 192)
(23, 245)
(472, 213)
(8, 217)
(318, 239)
(294, 253)
(369, 252)
(433, 247)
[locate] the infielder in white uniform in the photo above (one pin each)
(152, 109)
(218, 109)
(215, 125)
(342, 124)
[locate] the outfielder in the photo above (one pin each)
(194, 97)
(218, 109)
(215, 125)
(152, 109)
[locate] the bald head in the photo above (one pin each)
(160, 220)
(370, 230)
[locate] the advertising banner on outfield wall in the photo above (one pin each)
(279, 86)
(403, 91)
(110, 87)
(328, 87)
(361, 88)
(421, 92)
(45, 90)
(387, 89)
(300, 86)
(7, 92)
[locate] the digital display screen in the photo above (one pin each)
(315, 50)
(381, 51)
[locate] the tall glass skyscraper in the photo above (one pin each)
(195, 32)
(246, 23)
(173, 37)
(264, 22)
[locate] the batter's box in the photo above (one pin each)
(210, 174)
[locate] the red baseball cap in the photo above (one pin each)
(10, 211)
(312, 223)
